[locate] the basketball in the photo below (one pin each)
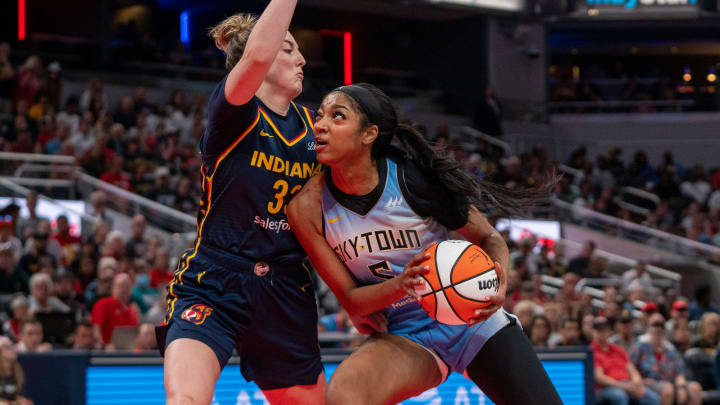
(462, 279)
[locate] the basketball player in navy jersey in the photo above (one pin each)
(242, 285)
(364, 224)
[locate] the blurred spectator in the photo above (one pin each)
(709, 332)
(555, 313)
(12, 278)
(539, 331)
(27, 225)
(69, 243)
(624, 335)
(680, 336)
(84, 337)
(161, 273)
(31, 338)
(64, 290)
(126, 113)
(580, 265)
(570, 333)
(617, 381)
(696, 186)
(85, 275)
(142, 294)
(136, 246)
(116, 174)
(19, 313)
(115, 310)
(41, 296)
(145, 340)
(540, 263)
(93, 97)
(11, 375)
(7, 237)
(638, 273)
(53, 247)
(7, 78)
(525, 311)
(82, 138)
(586, 326)
(98, 204)
(27, 83)
(114, 246)
(488, 114)
(30, 261)
(102, 286)
(156, 313)
(678, 311)
(701, 304)
(662, 367)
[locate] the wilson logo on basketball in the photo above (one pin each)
(487, 284)
(197, 313)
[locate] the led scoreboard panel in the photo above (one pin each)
(140, 384)
(503, 5)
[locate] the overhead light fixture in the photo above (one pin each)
(505, 5)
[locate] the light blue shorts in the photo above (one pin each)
(455, 346)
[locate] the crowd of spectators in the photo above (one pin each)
(104, 290)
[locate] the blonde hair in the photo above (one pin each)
(231, 36)
(710, 317)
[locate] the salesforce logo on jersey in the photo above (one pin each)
(632, 4)
(272, 225)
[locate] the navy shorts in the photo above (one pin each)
(268, 313)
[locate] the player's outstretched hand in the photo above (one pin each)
(409, 278)
(369, 324)
(496, 301)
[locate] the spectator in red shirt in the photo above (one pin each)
(69, 243)
(115, 310)
(161, 274)
(116, 175)
(617, 381)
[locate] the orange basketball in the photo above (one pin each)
(462, 278)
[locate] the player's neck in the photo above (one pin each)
(277, 101)
(356, 176)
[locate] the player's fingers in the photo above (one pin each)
(410, 290)
(417, 270)
(418, 258)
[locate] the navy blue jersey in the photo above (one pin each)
(254, 161)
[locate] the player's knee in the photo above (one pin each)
(175, 397)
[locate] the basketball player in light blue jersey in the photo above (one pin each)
(364, 224)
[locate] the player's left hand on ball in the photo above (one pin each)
(496, 301)
(409, 278)
(368, 324)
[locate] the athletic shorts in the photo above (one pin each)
(457, 345)
(267, 311)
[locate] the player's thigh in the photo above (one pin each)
(385, 370)
(191, 370)
(299, 394)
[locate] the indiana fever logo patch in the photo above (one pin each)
(197, 313)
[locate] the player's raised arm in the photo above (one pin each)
(263, 44)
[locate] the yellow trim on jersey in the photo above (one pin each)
(309, 118)
(293, 141)
(178, 274)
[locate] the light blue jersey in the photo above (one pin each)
(376, 246)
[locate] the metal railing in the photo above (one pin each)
(635, 232)
(475, 134)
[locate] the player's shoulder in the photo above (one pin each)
(308, 199)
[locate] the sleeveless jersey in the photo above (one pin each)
(266, 159)
(377, 246)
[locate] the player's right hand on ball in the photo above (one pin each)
(409, 279)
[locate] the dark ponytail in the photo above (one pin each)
(437, 163)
